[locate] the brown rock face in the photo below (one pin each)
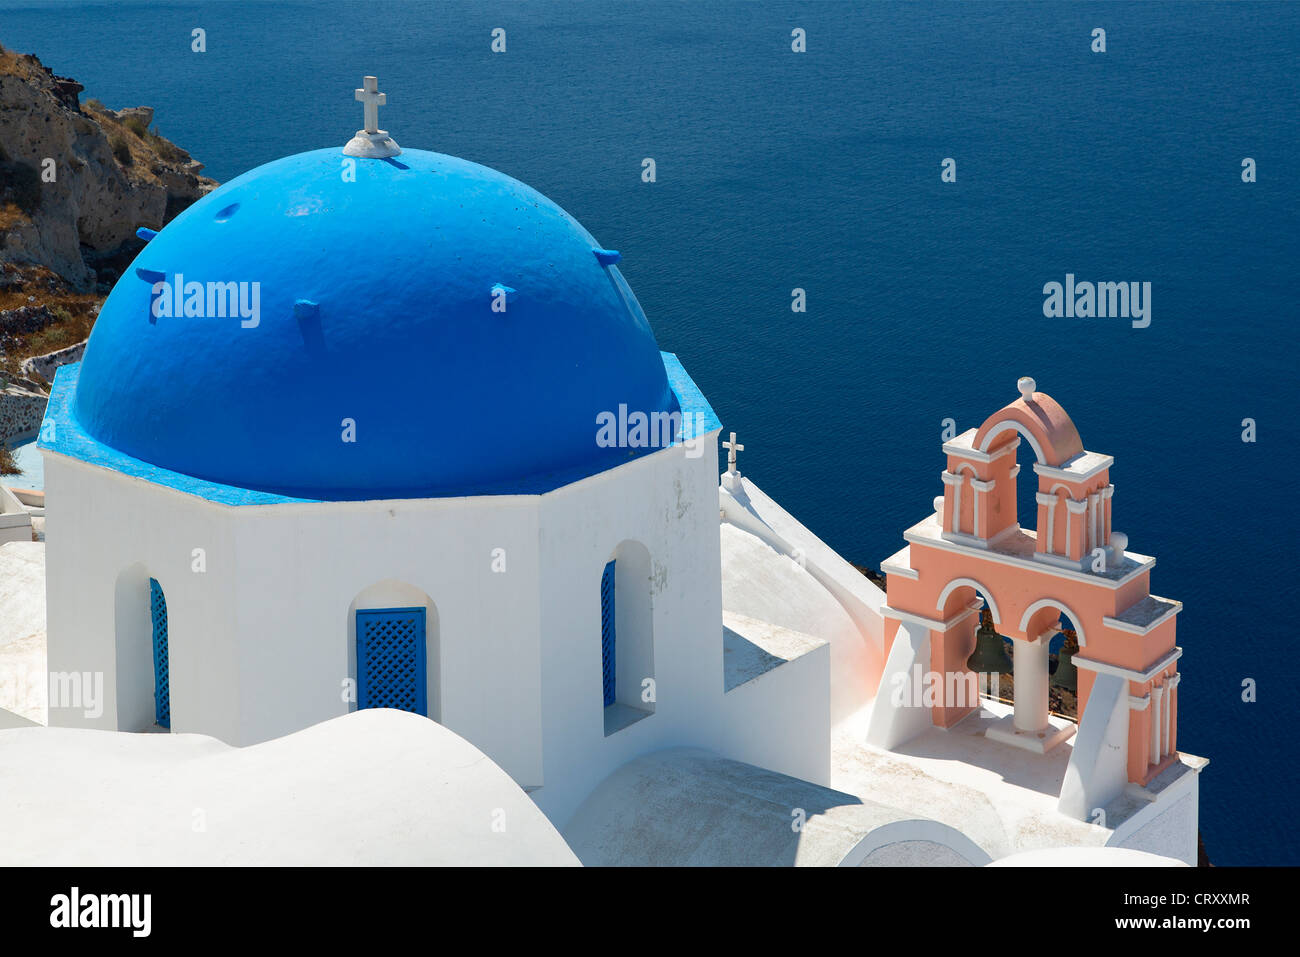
(76, 180)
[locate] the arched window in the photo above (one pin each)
(626, 637)
(393, 649)
(162, 702)
(140, 660)
(607, 632)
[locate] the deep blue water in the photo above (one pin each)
(821, 171)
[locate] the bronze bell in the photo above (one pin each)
(1066, 675)
(990, 654)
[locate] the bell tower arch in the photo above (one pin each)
(974, 551)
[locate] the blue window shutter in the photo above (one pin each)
(607, 636)
(391, 660)
(162, 699)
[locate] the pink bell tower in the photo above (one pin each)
(973, 550)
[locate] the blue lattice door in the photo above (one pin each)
(162, 699)
(391, 662)
(607, 634)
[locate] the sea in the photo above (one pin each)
(822, 171)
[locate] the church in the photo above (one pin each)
(373, 428)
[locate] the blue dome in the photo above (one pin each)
(375, 284)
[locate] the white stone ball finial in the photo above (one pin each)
(1118, 543)
(1027, 386)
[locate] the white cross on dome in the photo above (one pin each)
(371, 142)
(372, 99)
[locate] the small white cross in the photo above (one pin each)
(372, 100)
(732, 448)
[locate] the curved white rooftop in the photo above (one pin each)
(376, 787)
(684, 806)
(1086, 857)
(775, 570)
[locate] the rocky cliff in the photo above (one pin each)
(77, 179)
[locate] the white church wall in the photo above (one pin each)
(481, 627)
(106, 535)
(781, 719)
(259, 640)
(262, 639)
(133, 648)
(667, 503)
(634, 627)
(761, 582)
(1168, 826)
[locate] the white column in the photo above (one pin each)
(1170, 685)
(954, 523)
(1029, 665)
(1050, 502)
(1106, 494)
(1093, 537)
(1157, 703)
(980, 488)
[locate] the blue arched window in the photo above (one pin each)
(627, 637)
(607, 636)
(162, 702)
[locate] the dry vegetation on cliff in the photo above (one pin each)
(76, 180)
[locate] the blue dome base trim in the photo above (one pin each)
(62, 433)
